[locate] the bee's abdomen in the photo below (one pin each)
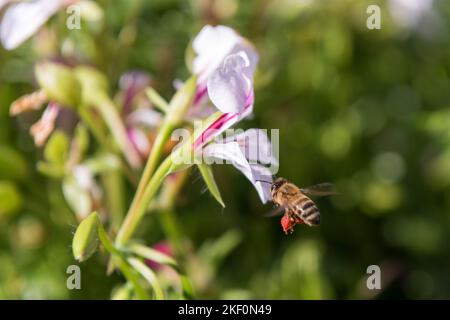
(308, 211)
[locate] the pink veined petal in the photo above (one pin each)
(259, 176)
(200, 94)
(230, 87)
(21, 20)
(225, 121)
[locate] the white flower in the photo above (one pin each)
(213, 44)
(249, 152)
(230, 88)
(22, 19)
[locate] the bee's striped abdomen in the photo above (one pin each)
(307, 210)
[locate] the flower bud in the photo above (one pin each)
(59, 83)
(85, 240)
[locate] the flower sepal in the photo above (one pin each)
(85, 240)
(208, 177)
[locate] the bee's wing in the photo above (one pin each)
(321, 189)
(276, 211)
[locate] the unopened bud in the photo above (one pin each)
(85, 240)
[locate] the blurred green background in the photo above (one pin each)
(368, 110)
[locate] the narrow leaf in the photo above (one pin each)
(153, 255)
(156, 99)
(207, 175)
(149, 275)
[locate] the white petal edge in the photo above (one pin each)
(230, 87)
(258, 175)
(213, 44)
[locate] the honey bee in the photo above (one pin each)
(298, 207)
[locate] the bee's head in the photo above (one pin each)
(277, 183)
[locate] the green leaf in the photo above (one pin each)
(59, 83)
(208, 176)
(85, 240)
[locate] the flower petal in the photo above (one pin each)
(23, 19)
(213, 44)
(230, 87)
(256, 146)
(258, 175)
(222, 123)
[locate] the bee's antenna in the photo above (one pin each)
(265, 181)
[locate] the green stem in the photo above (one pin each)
(177, 109)
(155, 154)
(132, 277)
(149, 275)
(117, 259)
(151, 254)
(135, 216)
